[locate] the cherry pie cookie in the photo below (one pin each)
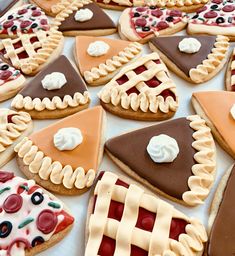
(215, 18)
(142, 23)
(26, 19)
(32, 220)
(124, 220)
(142, 90)
(230, 73)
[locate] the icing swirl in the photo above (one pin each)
(83, 15)
(54, 81)
(232, 111)
(97, 48)
(189, 45)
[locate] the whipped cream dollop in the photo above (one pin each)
(189, 45)
(68, 138)
(163, 149)
(232, 111)
(97, 48)
(54, 81)
(83, 15)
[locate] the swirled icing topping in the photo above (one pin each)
(54, 81)
(98, 48)
(232, 111)
(189, 45)
(163, 149)
(83, 15)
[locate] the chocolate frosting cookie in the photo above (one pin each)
(74, 83)
(5, 5)
(170, 178)
(184, 61)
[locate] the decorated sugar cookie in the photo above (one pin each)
(215, 18)
(32, 220)
(64, 157)
(99, 59)
(57, 91)
(14, 126)
(169, 158)
(230, 73)
(132, 222)
(7, 5)
(26, 19)
(142, 23)
(196, 59)
(141, 90)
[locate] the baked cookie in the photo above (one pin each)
(14, 126)
(84, 18)
(32, 220)
(215, 18)
(170, 158)
(142, 90)
(64, 157)
(7, 5)
(99, 59)
(132, 222)
(26, 19)
(11, 81)
(217, 108)
(142, 23)
(57, 91)
(196, 59)
(230, 73)
(31, 52)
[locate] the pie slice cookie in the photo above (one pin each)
(230, 73)
(57, 91)
(142, 23)
(32, 220)
(132, 222)
(170, 158)
(215, 18)
(11, 81)
(14, 126)
(99, 59)
(217, 108)
(31, 52)
(26, 19)
(142, 90)
(7, 5)
(196, 59)
(64, 157)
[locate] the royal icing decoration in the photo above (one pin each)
(232, 111)
(98, 48)
(54, 81)
(163, 149)
(83, 15)
(7, 73)
(189, 45)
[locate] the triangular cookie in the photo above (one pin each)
(150, 165)
(68, 171)
(32, 219)
(215, 107)
(100, 69)
(74, 88)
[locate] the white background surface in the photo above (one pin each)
(74, 243)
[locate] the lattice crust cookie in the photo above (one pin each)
(142, 90)
(132, 222)
(14, 126)
(230, 73)
(30, 53)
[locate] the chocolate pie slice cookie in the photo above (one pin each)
(196, 59)
(57, 91)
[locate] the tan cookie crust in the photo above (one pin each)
(94, 32)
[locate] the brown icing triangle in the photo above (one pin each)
(170, 178)
(74, 83)
(86, 154)
(100, 20)
(184, 61)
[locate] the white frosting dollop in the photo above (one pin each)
(232, 111)
(68, 138)
(97, 48)
(54, 81)
(83, 15)
(189, 45)
(163, 149)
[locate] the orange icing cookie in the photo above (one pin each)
(47, 5)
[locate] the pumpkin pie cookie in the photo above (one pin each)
(64, 157)
(57, 91)
(230, 73)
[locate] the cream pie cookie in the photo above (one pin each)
(32, 220)
(14, 126)
(64, 157)
(230, 73)
(142, 23)
(11, 81)
(6, 5)
(217, 108)
(196, 59)
(99, 59)
(215, 18)
(133, 222)
(57, 91)
(26, 19)
(141, 90)
(169, 158)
